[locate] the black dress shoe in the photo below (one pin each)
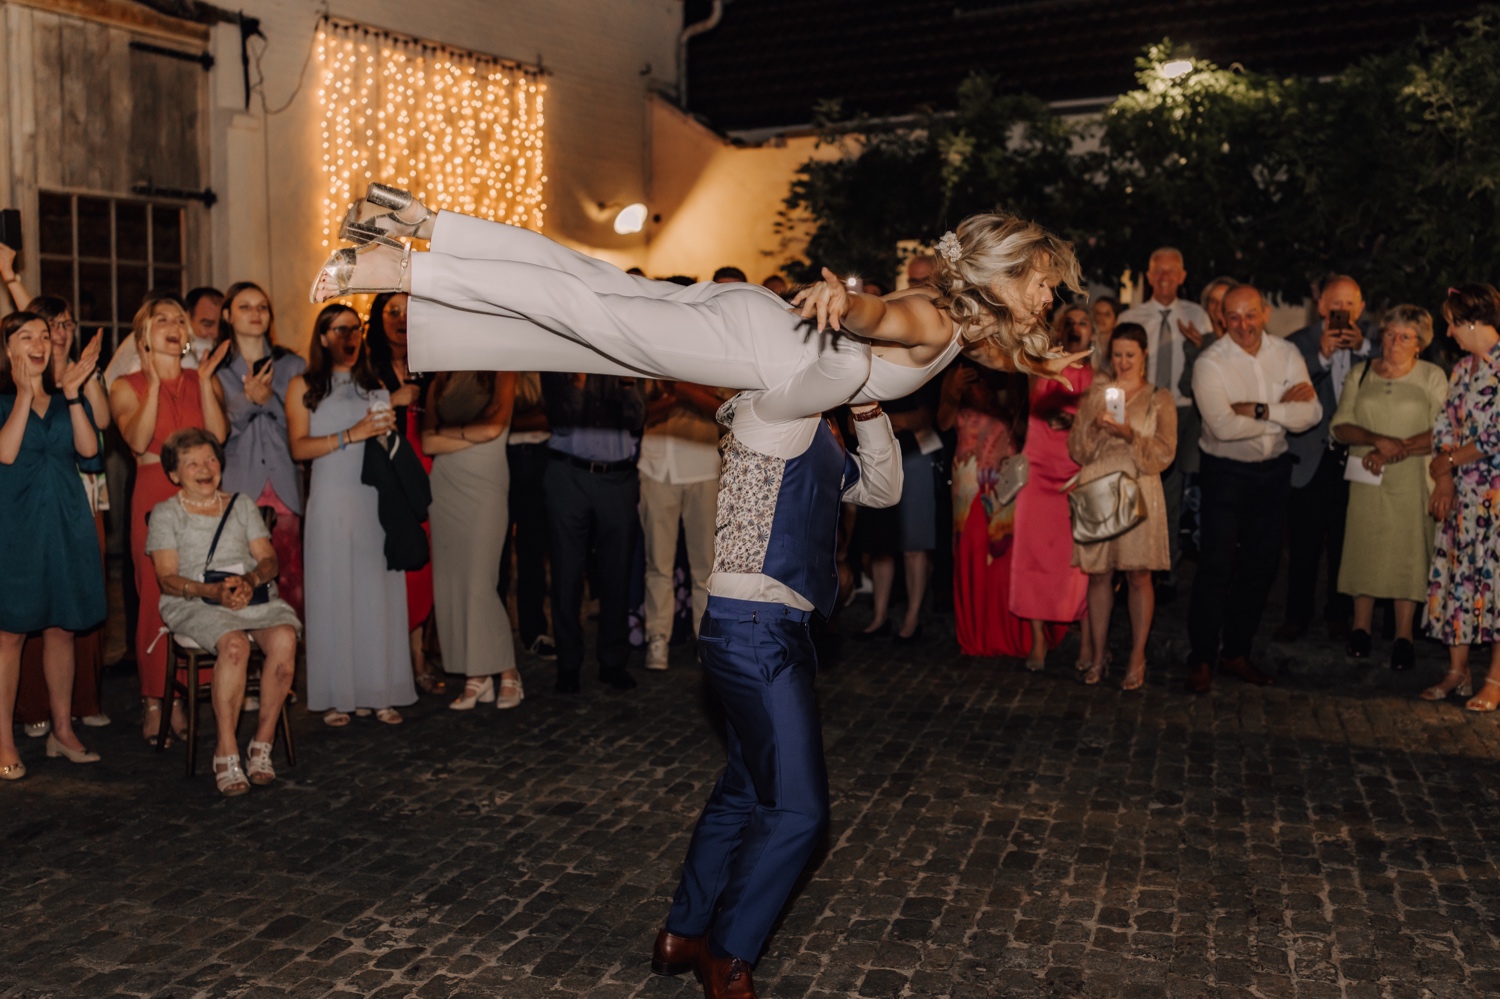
(1403, 656)
(912, 639)
(567, 682)
(1359, 644)
(880, 632)
(617, 679)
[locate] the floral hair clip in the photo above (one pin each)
(950, 247)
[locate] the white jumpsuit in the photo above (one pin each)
(496, 297)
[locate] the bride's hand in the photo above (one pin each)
(827, 301)
(1054, 365)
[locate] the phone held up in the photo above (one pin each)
(1114, 404)
(1338, 319)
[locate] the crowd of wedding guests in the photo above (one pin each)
(379, 515)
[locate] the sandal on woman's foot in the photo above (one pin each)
(13, 771)
(477, 690)
(1488, 697)
(229, 777)
(369, 269)
(1135, 677)
(1454, 682)
(259, 769)
(1094, 673)
(511, 692)
(334, 718)
(377, 220)
(389, 715)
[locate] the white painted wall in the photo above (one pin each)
(603, 58)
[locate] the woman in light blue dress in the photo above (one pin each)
(355, 606)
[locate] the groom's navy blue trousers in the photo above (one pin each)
(769, 810)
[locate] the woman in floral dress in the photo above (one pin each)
(1466, 471)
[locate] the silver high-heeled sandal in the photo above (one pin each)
(338, 269)
(385, 214)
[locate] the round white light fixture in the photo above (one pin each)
(632, 218)
(1177, 67)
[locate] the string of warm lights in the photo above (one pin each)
(462, 129)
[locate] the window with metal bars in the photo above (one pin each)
(104, 255)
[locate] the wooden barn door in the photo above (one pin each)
(107, 155)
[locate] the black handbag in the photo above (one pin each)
(262, 592)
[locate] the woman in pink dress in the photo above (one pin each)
(1044, 584)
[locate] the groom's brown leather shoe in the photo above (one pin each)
(724, 977)
(673, 954)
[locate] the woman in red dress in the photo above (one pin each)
(149, 406)
(987, 408)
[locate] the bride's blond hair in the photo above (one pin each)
(1005, 248)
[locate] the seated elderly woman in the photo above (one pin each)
(202, 528)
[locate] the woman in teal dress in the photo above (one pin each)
(1461, 607)
(48, 548)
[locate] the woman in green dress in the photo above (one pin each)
(1385, 415)
(48, 548)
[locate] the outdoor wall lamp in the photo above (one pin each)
(631, 218)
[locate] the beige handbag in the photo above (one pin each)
(1106, 508)
(1110, 505)
(1012, 477)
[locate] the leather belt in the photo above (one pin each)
(595, 467)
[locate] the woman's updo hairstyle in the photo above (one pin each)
(1002, 247)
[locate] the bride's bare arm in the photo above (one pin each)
(908, 318)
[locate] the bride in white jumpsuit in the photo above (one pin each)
(496, 297)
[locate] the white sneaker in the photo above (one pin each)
(656, 652)
(38, 729)
(95, 721)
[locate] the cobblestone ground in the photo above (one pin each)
(994, 833)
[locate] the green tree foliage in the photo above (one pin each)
(1387, 171)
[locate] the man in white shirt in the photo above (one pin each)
(1172, 325)
(679, 466)
(1332, 347)
(1251, 390)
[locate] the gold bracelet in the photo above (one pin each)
(868, 414)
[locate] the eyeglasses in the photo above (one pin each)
(343, 331)
(69, 326)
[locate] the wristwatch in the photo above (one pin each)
(1261, 409)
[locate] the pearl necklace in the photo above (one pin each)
(194, 504)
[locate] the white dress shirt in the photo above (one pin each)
(1149, 315)
(879, 485)
(1225, 374)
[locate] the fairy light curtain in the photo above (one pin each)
(462, 129)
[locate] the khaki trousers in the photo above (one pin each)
(663, 504)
